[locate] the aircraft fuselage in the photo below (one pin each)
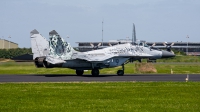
(86, 65)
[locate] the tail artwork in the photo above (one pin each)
(39, 44)
(54, 51)
(58, 47)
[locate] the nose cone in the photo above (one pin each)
(167, 54)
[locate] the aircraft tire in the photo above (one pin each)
(38, 64)
(120, 72)
(79, 72)
(95, 72)
(46, 64)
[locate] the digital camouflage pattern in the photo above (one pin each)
(58, 48)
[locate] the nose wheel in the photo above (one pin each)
(121, 72)
(95, 72)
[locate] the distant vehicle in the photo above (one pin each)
(58, 53)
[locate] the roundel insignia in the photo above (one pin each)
(117, 60)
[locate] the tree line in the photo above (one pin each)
(10, 53)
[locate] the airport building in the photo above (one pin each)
(190, 48)
(5, 44)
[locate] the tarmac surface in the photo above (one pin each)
(100, 78)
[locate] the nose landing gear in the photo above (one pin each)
(121, 72)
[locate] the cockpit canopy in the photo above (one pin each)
(141, 43)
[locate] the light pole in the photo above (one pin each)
(187, 45)
(67, 39)
(127, 38)
(9, 42)
(3, 42)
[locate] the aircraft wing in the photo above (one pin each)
(81, 56)
(94, 57)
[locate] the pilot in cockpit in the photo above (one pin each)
(140, 44)
(145, 45)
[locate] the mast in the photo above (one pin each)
(133, 34)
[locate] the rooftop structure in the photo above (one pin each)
(190, 48)
(5, 44)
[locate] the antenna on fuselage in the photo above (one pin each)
(133, 34)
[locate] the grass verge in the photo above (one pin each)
(96, 96)
(131, 68)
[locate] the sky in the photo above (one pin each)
(81, 20)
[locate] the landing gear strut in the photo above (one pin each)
(79, 72)
(151, 60)
(121, 72)
(95, 72)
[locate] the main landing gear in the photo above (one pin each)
(95, 72)
(121, 72)
(79, 72)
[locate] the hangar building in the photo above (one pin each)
(190, 48)
(5, 44)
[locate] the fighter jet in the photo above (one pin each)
(58, 53)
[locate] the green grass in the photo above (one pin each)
(29, 68)
(96, 96)
(181, 59)
(178, 68)
(162, 68)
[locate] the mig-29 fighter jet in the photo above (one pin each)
(58, 53)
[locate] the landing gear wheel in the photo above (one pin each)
(120, 72)
(79, 72)
(95, 72)
(46, 64)
(37, 63)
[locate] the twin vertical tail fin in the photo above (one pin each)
(39, 44)
(58, 48)
(54, 51)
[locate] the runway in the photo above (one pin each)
(101, 78)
